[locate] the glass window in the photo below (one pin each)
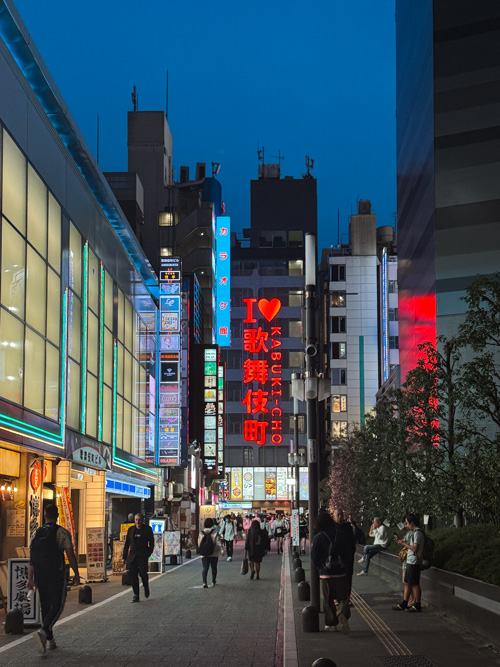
(119, 369)
(74, 381)
(338, 299)
(34, 372)
(92, 343)
(165, 219)
(296, 239)
(339, 376)
(295, 359)
(295, 328)
(53, 306)
(393, 286)
(339, 350)
(74, 326)
(93, 282)
(295, 267)
(51, 382)
(91, 406)
(121, 311)
(339, 403)
(13, 275)
(107, 414)
(339, 429)
(127, 426)
(54, 234)
(11, 354)
(393, 315)
(127, 376)
(129, 323)
(37, 212)
(108, 357)
(36, 293)
(108, 300)
(165, 251)
(393, 342)
(119, 422)
(75, 260)
(14, 184)
(338, 324)
(295, 298)
(337, 272)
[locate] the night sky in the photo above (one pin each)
(296, 78)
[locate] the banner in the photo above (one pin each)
(66, 511)
(35, 488)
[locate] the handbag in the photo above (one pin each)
(244, 566)
(402, 554)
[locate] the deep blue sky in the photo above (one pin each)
(314, 78)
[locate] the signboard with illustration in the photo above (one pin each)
(35, 487)
(172, 543)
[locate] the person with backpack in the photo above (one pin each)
(139, 545)
(414, 543)
(47, 572)
(326, 553)
(256, 546)
(209, 549)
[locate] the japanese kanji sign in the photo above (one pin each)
(223, 281)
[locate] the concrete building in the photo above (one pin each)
(77, 320)
(448, 128)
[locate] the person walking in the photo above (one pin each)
(326, 553)
(209, 548)
(246, 523)
(239, 528)
(414, 543)
(279, 533)
(47, 572)
(139, 545)
(228, 533)
(347, 543)
(303, 533)
(379, 532)
(256, 545)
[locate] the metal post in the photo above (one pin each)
(311, 396)
(296, 453)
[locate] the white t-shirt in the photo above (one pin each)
(380, 535)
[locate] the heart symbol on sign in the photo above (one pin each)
(269, 308)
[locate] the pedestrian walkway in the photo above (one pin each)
(243, 623)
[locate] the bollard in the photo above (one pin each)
(296, 563)
(188, 553)
(173, 560)
(299, 574)
(310, 619)
(324, 662)
(85, 595)
(295, 553)
(126, 578)
(14, 622)
(304, 591)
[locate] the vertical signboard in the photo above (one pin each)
(262, 375)
(221, 427)
(34, 496)
(385, 318)
(223, 281)
(247, 483)
(169, 355)
(210, 378)
(95, 554)
(17, 596)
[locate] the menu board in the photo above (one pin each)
(95, 554)
(15, 523)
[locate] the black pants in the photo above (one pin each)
(335, 588)
(206, 562)
(52, 592)
(139, 566)
(229, 548)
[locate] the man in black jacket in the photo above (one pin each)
(138, 548)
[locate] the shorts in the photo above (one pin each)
(412, 574)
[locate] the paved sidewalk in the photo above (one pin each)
(182, 624)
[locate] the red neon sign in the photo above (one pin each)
(262, 401)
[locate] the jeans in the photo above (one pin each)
(371, 550)
(52, 593)
(335, 588)
(206, 562)
(229, 548)
(139, 566)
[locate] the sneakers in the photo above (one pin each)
(135, 599)
(331, 628)
(40, 641)
(361, 560)
(401, 606)
(51, 644)
(414, 609)
(229, 559)
(345, 624)
(362, 574)
(205, 585)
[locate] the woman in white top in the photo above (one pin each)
(279, 533)
(379, 532)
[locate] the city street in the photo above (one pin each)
(243, 622)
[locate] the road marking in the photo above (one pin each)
(26, 638)
(390, 641)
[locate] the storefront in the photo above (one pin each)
(128, 495)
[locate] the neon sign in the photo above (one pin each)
(262, 374)
(223, 281)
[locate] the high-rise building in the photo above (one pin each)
(448, 160)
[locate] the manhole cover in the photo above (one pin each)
(404, 661)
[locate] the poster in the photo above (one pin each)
(118, 564)
(15, 523)
(236, 482)
(157, 555)
(17, 597)
(172, 542)
(281, 489)
(270, 484)
(247, 483)
(95, 554)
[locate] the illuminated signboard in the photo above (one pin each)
(262, 373)
(221, 430)
(385, 319)
(261, 484)
(169, 361)
(210, 408)
(223, 281)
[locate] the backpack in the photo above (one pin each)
(333, 562)
(45, 554)
(207, 545)
(427, 555)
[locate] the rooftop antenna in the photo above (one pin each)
(338, 227)
(279, 157)
(135, 99)
(309, 166)
(97, 137)
(166, 99)
(260, 154)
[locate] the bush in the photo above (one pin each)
(473, 551)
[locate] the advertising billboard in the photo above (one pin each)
(223, 281)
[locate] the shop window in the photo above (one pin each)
(11, 349)
(34, 372)
(13, 270)
(54, 234)
(339, 403)
(339, 429)
(36, 293)
(14, 184)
